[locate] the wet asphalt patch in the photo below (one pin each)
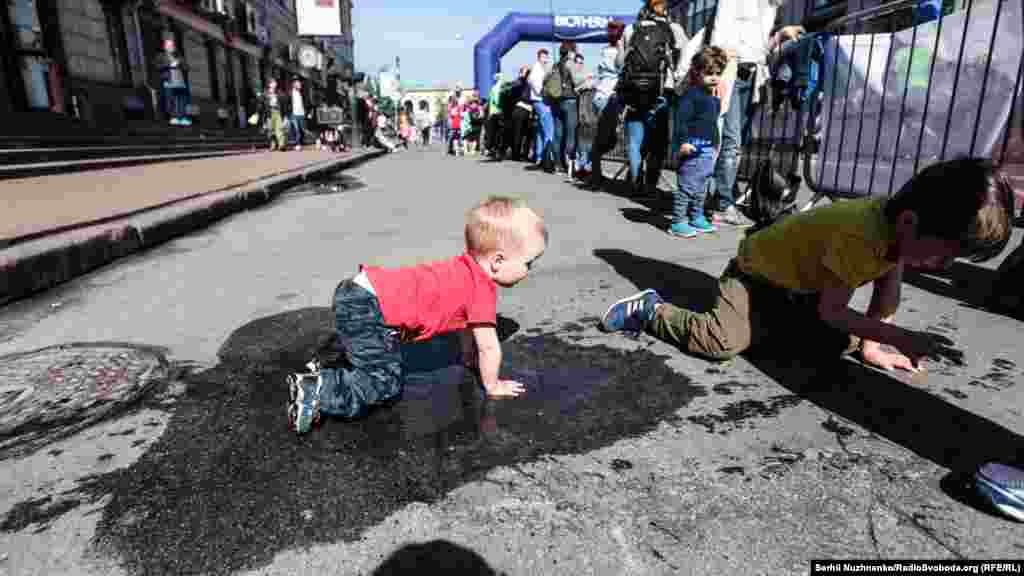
(227, 486)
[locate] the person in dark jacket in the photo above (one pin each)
(517, 109)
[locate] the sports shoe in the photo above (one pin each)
(682, 230)
(1003, 487)
(732, 217)
(701, 224)
(304, 400)
(631, 314)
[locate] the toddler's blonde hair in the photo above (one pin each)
(501, 223)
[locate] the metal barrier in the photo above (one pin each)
(882, 101)
(887, 104)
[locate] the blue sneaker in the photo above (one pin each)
(304, 400)
(682, 230)
(631, 314)
(1003, 487)
(701, 224)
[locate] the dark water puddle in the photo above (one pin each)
(334, 184)
(735, 415)
(227, 486)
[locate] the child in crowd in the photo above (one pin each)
(381, 307)
(407, 130)
(797, 276)
(696, 134)
(454, 126)
(472, 123)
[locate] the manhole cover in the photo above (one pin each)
(55, 391)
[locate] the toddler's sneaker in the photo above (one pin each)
(304, 400)
(1003, 487)
(682, 230)
(701, 224)
(631, 314)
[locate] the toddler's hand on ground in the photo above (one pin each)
(506, 389)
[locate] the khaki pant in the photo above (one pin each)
(748, 312)
(278, 138)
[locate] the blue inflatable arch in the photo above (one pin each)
(518, 27)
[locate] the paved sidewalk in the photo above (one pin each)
(55, 228)
(34, 206)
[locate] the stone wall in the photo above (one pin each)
(194, 50)
(86, 41)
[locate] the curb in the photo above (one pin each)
(36, 265)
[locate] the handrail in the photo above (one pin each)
(875, 11)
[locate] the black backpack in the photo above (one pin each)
(770, 195)
(648, 56)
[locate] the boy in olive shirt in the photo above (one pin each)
(811, 264)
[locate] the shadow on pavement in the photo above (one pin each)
(975, 286)
(916, 419)
(227, 486)
(435, 557)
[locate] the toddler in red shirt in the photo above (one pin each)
(381, 307)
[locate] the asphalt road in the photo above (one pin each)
(625, 457)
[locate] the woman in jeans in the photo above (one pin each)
(565, 110)
(605, 79)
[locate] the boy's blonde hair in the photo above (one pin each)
(501, 223)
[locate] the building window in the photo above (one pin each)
(211, 59)
(118, 40)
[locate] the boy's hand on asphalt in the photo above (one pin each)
(506, 389)
(879, 358)
(919, 345)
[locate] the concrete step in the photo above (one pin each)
(34, 169)
(11, 157)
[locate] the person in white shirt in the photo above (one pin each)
(743, 28)
(297, 121)
(544, 148)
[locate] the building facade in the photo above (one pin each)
(95, 60)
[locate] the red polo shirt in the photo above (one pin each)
(430, 299)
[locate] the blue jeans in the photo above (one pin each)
(296, 129)
(545, 129)
(566, 118)
(607, 125)
(652, 139)
(372, 372)
(175, 99)
(735, 133)
(694, 171)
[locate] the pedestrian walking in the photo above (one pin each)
(379, 308)
(424, 121)
(273, 115)
(297, 119)
(174, 92)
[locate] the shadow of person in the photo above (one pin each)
(684, 287)
(655, 218)
(995, 291)
(434, 557)
(914, 418)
